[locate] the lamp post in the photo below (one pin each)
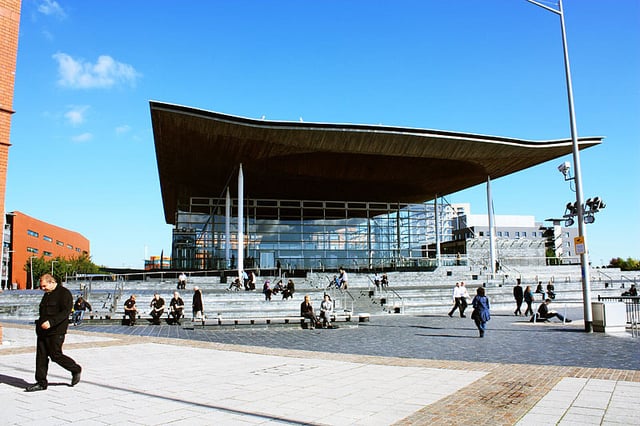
(584, 255)
(52, 262)
(31, 265)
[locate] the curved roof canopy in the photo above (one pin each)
(199, 151)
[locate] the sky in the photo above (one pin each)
(83, 157)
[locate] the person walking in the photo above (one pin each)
(464, 296)
(481, 310)
(518, 294)
(79, 309)
(456, 299)
(197, 306)
(51, 328)
(528, 298)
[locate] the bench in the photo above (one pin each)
(266, 322)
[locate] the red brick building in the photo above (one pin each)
(29, 237)
(9, 26)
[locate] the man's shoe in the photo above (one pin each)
(567, 320)
(463, 316)
(75, 378)
(35, 388)
(450, 316)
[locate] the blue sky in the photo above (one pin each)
(83, 156)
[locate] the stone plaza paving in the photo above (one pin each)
(393, 370)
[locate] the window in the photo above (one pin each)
(32, 233)
(482, 233)
(46, 238)
(32, 250)
(69, 246)
(78, 249)
(517, 234)
(47, 253)
(506, 233)
(60, 243)
(524, 233)
(499, 233)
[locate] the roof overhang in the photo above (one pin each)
(198, 154)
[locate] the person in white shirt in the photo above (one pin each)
(456, 299)
(464, 297)
(326, 309)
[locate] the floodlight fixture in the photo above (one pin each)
(569, 222)
(565, 169)
(589, 218)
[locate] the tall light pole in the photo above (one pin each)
(31, 264)
(584, 255)
(52, 262)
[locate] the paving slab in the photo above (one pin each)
(394, 370)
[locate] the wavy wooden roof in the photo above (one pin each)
(198, 153)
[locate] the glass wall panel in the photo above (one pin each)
(307, 234)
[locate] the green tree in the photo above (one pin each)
(62, 267)
(629, 264)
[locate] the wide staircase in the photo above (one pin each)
(411, 293)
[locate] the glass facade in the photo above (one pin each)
(296, 234)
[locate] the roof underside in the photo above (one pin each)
(199, 151)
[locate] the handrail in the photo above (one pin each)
(396, 294)
(632, 306)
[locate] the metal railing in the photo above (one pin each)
(632, 304)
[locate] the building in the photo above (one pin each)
(245, 193)
(157, 263)
(27, 237)
(519, 241)
(9, 27)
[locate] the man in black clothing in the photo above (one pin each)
(176, 306)
(130, 309)
(518, 294)
(51, 327)
(544, 313)
(157, 308)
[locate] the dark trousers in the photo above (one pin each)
(51, 347)
(529, 310)
(518, 305)
(176, 314)
(455, 306)
(156, 315)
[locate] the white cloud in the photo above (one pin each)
(83, 137)
(120, 130)
(105, 73)
(76, 115)
(51, 8)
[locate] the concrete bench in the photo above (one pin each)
(282, 321)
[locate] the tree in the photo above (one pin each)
(625, 265)
(62, 267)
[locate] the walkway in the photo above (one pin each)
(395, 369)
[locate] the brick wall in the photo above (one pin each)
(9, 27)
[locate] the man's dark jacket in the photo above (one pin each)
(55, 307)
(518, 293)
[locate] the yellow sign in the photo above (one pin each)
(578, 243)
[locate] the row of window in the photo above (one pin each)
(517, 234)
(50, 240)
(44, 252)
